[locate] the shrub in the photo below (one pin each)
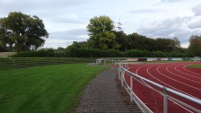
(137, 53)
(83, 52)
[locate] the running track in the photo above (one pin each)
(172, 75)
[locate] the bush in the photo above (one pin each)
(39, 53)
(111, 53)
(137, 53)
(158, 54)
(83, 52)
(75, 52)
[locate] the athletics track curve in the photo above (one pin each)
(172, 75)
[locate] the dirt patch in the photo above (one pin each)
(6, 54)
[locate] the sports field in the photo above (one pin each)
(44, 89)
(177, 76)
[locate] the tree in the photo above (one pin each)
(195, 45)
(21, 32)
(177, 47)
(165, 45)
(121, 40)
(100, 32)
(136, 41)
(76, 44)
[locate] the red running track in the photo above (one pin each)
(172, 75)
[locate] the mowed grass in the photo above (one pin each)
(44, 89)
(195, 66)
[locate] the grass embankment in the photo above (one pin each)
(44, 89)
(20, 62)
(195, 66)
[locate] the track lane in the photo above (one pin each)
(148, 70)
(181, 84)
(154, 100)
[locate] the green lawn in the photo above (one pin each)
(195, 66)
(44, 89)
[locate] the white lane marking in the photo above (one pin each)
(184, 67)
(183, 107)
(176, 68)
(166, 83)
(183, 78)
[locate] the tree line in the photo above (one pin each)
(125, 42)
(20, 32)
(103, 36)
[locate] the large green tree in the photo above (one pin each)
(121, 40)
(195, 45)
(140, 42)
(166, 45)
(21, 32)
(101, 35)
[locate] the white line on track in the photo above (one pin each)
(198, 82)
(192, 72)
(177, 80)
(166, 84)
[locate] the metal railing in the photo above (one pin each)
(123, 69)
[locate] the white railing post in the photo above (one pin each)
(165, 100)
(131, 88)
(119, 71)
(122, 78)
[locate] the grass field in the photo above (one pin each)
(195, 66)
(44, 89)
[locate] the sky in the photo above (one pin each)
(66, 20)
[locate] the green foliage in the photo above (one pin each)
(195, 66)
(113, 53)
(79, 52)
(44, 89)
(21, 32)
(137, 53)
(195, 46)
(101, 35)
(121, 40)
(42, 53)
(166, 45)
(93, 53)
(158, 54)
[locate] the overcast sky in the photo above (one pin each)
(66, 20)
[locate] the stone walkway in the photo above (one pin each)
(102, 96)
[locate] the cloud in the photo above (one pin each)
(168, 28)
(146, 11)
(66, 38)
(171, 0)
(197, 10)
(77, 32)
(66, 20)
(194, 25)
(185, 44)
(74, 34)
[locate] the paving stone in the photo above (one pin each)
(102, 96)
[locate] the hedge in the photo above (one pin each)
(79, 52)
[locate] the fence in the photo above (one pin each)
(117, 60)
(123, 69)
